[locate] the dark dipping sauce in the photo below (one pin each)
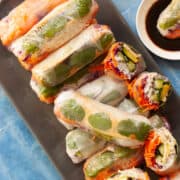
(151, 22)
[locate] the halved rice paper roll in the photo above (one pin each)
(79, 52)
(174, 176)
(48, 94)
(105, 89)
(22, 18)
(61, 25)
(80, 145)
(122, 128)
(123, 62)
(110, 160)
(162, 152)
(130, 106)
(150, 90)
(130, 174)
(168, 22)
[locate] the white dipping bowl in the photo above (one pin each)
(141, 29)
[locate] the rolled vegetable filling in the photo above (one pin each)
(123, 62)
(168, 22)
(130, 174)
(105, 90)
(161, 152)
(79, 52)
(80, 145)
(150, 90)
(110, 160)
(105, 121)
(53, 31)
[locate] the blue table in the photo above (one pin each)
(21, 157)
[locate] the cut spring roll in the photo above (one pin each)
(162, 152)
(174, 176)
(24, 17)
(123, 62)
(150, 90)
(168, 22)
(103, 120)
(130, 174)
(53, 31)
(48, 94)
(82, 50)
(130, 106)
(110, 160)
(106, 90)
(80, 145)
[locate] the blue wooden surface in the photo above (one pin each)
(21, 157)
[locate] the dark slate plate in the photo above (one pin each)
(39, 117)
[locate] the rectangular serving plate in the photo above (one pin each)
(39, 116)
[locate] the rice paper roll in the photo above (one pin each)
(61, 25)
(110, 160)
(80, 145)
(48, 94)
(133, 174)
(130, 106)
(109, 123)
(162, 152)
(168, 22)
(105, 89)
(173, 176)
(75, 55)
(150, 90)
(123, 62)
(22, 18)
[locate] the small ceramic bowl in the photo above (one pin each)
(141, 28)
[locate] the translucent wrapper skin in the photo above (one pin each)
(111, 159)
(80, 145)
(150, 90)
(168, 22)
(48, 94)
(105, 89)
(21, 19)
(75, 55)
(123, 62)
(174, 176)
(133, 173)
(61, 25)
(162, 152)
(103, 120)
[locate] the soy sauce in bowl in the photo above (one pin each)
(155, 36)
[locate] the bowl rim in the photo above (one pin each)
(142, 11)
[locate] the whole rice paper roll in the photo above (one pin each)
(22, 18)
(173, 176)
(111, 159)
(61, 25)
(79, 52)
(162, 152)
(123, 62)
(150, 90)
(168, 22)
(133, 174)
(80, 145)
(105, 121)
(48, 94)
(105, 89)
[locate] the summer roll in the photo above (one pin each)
(130, 174)
(48, 94)
(123, 62)
(103, 120)
(80, 145)
(168, 22)
(150, 90)
(111, 159)
(22, 18)
(79, 52)
(162, 152)
(61, 25)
